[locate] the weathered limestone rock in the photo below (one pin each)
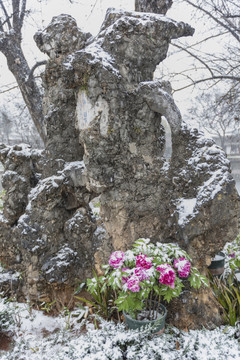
(22, 172)
(192, 199)
(155, 6)
(57, 232)
(10, 283)
(53, 239)
(62, 37)
(103, 118)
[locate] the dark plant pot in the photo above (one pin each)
(217, 265)
(157, 326)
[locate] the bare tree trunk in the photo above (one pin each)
(153, 6)
(18, 65)
(10, 45)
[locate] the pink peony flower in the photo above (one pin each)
(125, 278)
(143, 261)
(183, 266)
(133, 283)
(141, 273)
(163, 267)
(116, 259)
(167, 276)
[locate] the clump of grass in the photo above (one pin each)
(227, 293)
(103, 298)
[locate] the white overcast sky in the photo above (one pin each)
(89, 15)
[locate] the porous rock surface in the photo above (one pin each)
(103, 113)
(155, 6)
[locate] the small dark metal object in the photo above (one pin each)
(217, 264)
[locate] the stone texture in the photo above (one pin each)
(153, 6)
(22, 171)
(61, 38)
(103, 118)
(56, 232)
(51, 236)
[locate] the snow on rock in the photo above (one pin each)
(207, 170)
(186, 209)
(55, 268)
(96, 54)
(8, 275)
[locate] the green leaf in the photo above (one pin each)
(129, 303)
(204, 280)
(167, 296)
(86, 301)
(193, 281)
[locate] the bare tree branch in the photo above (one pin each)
(93, 7)
(15, 6)
(220, 77)
(9, 89)
(22, 13)
(5, 21)
(215, 19)
(232, 16)
(195, 56)
(204, 40)
(6, 14)
(39, 63)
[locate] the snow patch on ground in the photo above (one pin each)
(8, 276)
(41, 337)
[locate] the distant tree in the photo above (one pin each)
(218, 115)
(16, 125)
(5, 125)
(210, 65)
(24, 126)
(220, 26)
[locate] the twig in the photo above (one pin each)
(6, 14)
(236, 78)
(215, 19)
(4, 91)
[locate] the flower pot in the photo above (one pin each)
(217, 265)
(157, 326)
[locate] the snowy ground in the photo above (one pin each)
(70, 336)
